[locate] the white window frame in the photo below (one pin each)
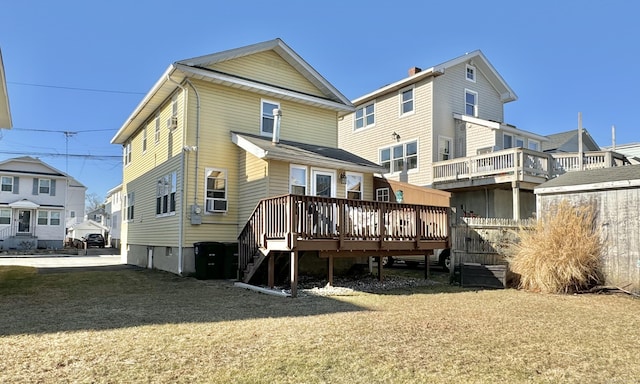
(144, 139)
(392, 159)
(535, 143)
(166, 195)
(292, 182)
(511, 137)
(473, 73)
(174, 106)
(267, 115)
(521, 141)
(326, 172)
(441, 148)
(10, 178)
(44, 189)
(351, 176)
(126, 153)
(475, 105)
(382, 194)
(5, 215)
(365, 116)
(402, 102)
(53, 216)
(157, 131)
(42, 216)
(129, 205)
(210, 201)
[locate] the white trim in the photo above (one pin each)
(404, 156)
(346, 186)
(262, 115)
(207, 171)
(401, 102)
(306, 177)
(476, 106)
(364, 116)
(326, 172)
(383, 189)
(474, 70)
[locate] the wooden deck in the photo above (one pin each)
(338, 228)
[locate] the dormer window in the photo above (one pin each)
(471, 73)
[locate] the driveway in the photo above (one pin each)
(59, 263)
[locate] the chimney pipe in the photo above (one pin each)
(277, 115)
(414, 70)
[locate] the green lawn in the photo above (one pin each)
(150, 326)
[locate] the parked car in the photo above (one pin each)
(442, 258)
(94, 240)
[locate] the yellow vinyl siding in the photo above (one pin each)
(479, 137)
(253, 174)
(269, 68)
(417, 126)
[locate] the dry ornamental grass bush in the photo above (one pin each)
(562, 253)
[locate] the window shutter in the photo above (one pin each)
(52, 191)
(16, 184)
(35, 186)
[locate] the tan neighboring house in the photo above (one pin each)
(443, 127)
(242, 146)
(5, 111)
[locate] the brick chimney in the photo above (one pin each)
(414, 70)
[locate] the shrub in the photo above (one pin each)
(561, 253)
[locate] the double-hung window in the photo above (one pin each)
(471, 73)
(44, 186)
(126, 153)
(7, 184)
(5, 216)
(216, 190)
(401, 157)
(144, 139)
(470, 103)
(406, 101)
(365, 116)
(534, 145)
(166, 195)
(354, 186)
(507, 141)
(266, 125)
(157, 132)
(444, 148)
(129, 204)
(298, 180)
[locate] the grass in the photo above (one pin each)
(150, 326)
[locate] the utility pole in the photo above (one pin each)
(67, 134)
(580, 159)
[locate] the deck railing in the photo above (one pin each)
(520, 162)
(294, 218)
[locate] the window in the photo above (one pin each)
(157, 129)
(5, 216)
(48, 218)
(382, 194)
(470, 103)
(401, 157)
(519, 142)
(507, 141)
(44, 186)
(72, 214)
(298, 180)
(216, 190)
(144, 139)
(354, 186)
(174, 106)
(7, 184)
(365, 116)
(166, 195)
(55, 218)
(126, 153)
(266, 127)
(406, 101)
(43, 217)
(534, 145)
(129, 203)
(444, 148)
(471, 73)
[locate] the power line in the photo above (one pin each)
(50, 154)
(76, 88)
(63, 132)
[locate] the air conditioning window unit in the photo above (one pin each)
(215, 205)
(172, 122)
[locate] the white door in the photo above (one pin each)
(24, 221)
(323, 183)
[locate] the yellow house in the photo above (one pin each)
(237, 146)
(5, 111)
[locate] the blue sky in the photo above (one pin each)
(560, 57)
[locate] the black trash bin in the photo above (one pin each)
(210, 257)
(230, 263)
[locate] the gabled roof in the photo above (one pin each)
(568, 142)
(605, 178)
(301, 153)
(479, 60)
(50, 171)
(5, 110)
(194, 68)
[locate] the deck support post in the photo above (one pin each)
(294, 273)
(380, 268)
(271, 269)
(330, 269)
(515, 187)
(427, 272)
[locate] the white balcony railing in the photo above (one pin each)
(519, 163)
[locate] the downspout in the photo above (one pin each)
(195, 190)
(182, 172)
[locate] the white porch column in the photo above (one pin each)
(515, 188)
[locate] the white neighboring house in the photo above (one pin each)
(35, 199)
(113, 215)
